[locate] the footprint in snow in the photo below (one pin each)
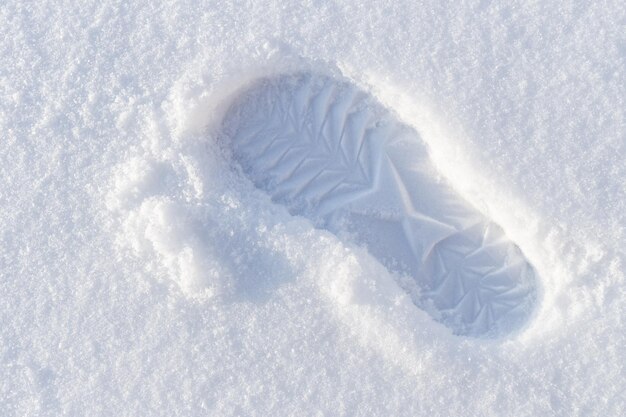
(330, 152)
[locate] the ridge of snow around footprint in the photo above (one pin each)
(330, 152)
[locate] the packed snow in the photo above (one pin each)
(151, 263)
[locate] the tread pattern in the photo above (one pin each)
(330, 152)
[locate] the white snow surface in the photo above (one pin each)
(143, 273)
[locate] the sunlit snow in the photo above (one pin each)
(148, 268)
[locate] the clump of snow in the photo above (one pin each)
(158, 226)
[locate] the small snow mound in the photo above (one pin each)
(151, 201)
(162, 227)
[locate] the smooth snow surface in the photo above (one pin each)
(148, 266)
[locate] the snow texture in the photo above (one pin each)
(150, 266)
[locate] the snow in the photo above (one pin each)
(143, 273)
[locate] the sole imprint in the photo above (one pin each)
(332, 153)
